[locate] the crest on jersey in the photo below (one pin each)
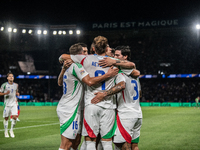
(82, 72)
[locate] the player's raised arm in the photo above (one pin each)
(90, 81)
(64, 57)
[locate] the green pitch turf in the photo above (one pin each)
(164, 128)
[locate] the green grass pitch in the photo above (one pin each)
(164, 128)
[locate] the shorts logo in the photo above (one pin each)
(82, 72)
(74, 134)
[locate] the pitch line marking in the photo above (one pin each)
(33, 126)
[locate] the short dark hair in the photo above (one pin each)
(125, 51)
(75, 49)
(82, 44)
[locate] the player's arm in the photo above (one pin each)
(2, 94)
(107, 61)
(65, 66)
(64, 57)
(135, 73)
(90, 81)
(17, 91)
(101, 95)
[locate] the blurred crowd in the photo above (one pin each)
(155, 52)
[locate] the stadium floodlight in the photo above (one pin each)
(24, 31)
(2, 28)
(45, 32)
(64, 32)
(30, 31)
(78, 32)
(28, 72)
(70, 32)
(14, 30)
(59, 32)
(39, 32)
(197, 26)
(9, 29)
(54, 32)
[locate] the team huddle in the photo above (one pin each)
(100, 98)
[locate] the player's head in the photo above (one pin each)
(110, 51)
(76, 49)
(85, 49)
(123, 52)
(100, 44)
(92, 49)
(10, 77)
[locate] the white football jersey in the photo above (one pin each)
(90, 63)
(128, 100)
(72, 89)
(10, 99)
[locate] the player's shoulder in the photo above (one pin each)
(4, 84)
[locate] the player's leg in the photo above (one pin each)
(136, 134)
(14, 120)
(107, 127)
(18, 112)
(90, 128)
(6, 113)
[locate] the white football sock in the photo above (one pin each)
(107, 145)
(90, 145)
(13, 124)
(5, 122)
(83, 146)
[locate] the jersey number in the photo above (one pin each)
(64, 87)
(136, 89)
(74, 125)
(96, 74)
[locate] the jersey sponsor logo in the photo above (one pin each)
(82, 72)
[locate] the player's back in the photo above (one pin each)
(128, 100)
(90, 63)
(72, 90)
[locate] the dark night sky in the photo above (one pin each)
(73, 11)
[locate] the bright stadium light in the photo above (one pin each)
(45, 32)
(24, 31)
(14, 30)
(70, 32)
(9, 29)
(2, 28)
(197, 26)
(30, 31)
(78, 31)
(64, 32)
(54, 32)
(59, 32)
(39, 32)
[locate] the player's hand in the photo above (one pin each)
(67, 63)
(98, 98)
(113, 71)
(107, 62)
(61, 60)
(17, 94)
(8, 92)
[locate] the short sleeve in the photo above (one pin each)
(78, 58)
(119, 78)
(79, 71)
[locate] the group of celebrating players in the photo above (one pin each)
(100, 98)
